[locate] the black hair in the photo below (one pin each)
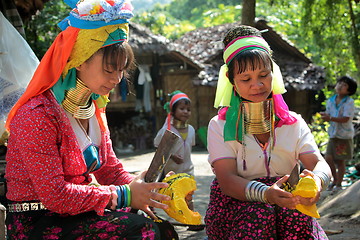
(115, 54)
(184, 100)
(350, 82)
(239, 31)
(248, 60)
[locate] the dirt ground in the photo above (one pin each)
(334, 208)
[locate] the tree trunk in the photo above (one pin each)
(355, 36)
(248, 12)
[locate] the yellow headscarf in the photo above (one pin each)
(85, 31)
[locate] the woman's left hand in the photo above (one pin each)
(143, 195)
(276, 195)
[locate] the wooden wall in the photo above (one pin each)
(301, 102)
(180, 80)
(202, 97)
(206, 110)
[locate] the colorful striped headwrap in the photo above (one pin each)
(175, 97)
(91, 25)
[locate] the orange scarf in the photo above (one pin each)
(49, 69)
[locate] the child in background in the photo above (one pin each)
(340, 112)
(254, 142)
(179, 112)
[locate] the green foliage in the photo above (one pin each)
(319, 128)
(144, 5)
(323, 32)
(164, 20)
(326, 25)
(191, 10)
(285, 19)
(42, 29)
(220, 15)
(161, 22)
(357, 101)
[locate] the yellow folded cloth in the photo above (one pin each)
(306, 188)
(180, 185)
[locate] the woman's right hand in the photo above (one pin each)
(278, 196)
(143, 195)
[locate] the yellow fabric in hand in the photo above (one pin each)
(180, 185)
(306, 188)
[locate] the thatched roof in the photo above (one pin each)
(143, 40)
(204, 47)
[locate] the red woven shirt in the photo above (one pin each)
(45, 163)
